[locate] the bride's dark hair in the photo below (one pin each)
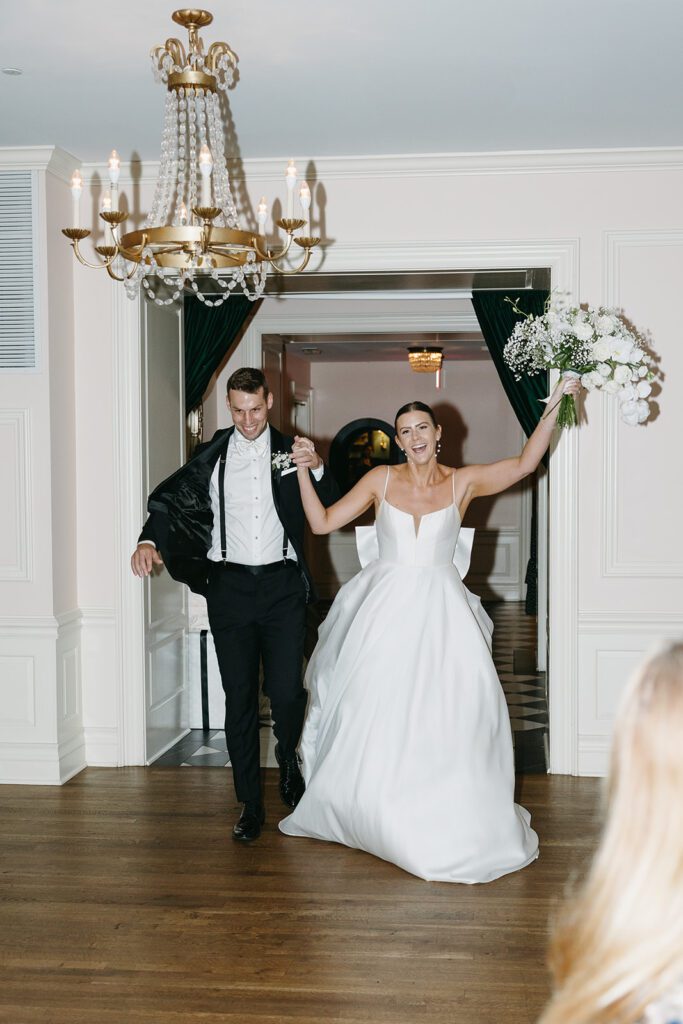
(414, 407)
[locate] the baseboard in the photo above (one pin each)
(594, 754)
(102, 746)
(40, 764)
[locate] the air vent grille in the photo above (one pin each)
(17, 287)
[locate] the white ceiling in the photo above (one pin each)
(325, 77)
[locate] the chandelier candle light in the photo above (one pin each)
(180, 248)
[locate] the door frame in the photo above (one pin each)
(561, 256)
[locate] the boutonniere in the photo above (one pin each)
(280, 461)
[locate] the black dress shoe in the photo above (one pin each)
(292, 784)
(249, 825)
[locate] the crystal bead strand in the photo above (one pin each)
(192, 155)
(173, 161)
(222, 183)
(159, 207)
(181, 177)
(201, 132)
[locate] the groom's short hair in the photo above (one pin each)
(248, 379)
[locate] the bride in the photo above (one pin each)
(407, 749)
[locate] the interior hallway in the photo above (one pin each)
(125, 901)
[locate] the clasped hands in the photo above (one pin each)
(304, 455)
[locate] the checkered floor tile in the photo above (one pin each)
(514, 647)
(514, 655)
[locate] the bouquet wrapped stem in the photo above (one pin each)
(567, 415)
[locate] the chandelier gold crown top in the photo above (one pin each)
(191, 235)
(191, 68)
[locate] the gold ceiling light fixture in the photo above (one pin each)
(192, 230)
(425, 358)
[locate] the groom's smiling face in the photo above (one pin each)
(250, 411)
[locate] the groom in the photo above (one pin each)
(230, 525)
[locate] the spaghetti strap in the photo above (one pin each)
(386, 484)
(453, 480)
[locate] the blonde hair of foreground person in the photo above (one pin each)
(618, 945)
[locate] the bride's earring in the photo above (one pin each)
(438, 446)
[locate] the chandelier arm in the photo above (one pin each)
(296, 270)
(93, 266)
(212, 249)
(132, 253)
(268, 255)
(126, 277)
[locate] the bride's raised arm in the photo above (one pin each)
(359, 498)
(498, 476)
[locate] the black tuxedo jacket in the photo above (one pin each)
(180, 518)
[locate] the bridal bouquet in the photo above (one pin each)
(594, 345)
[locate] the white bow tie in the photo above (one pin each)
(243, 446)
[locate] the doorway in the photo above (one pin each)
(350, 264)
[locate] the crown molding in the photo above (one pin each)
(419, 165)
(57, 161)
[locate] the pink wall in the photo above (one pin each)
(297, 373)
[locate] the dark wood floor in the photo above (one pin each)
(125, 901)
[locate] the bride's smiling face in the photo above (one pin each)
(417, 436)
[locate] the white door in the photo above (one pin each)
(163, 448)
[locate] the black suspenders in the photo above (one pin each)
(221, 506)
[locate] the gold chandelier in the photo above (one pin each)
(425, 359)
(192, 232)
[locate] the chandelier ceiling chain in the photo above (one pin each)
(192, 229)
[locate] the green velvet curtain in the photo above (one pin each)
(210, 332)
(497, 320)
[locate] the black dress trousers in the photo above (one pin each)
(256, 618)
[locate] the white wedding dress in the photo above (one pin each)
(407, 749)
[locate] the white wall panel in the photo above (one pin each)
(611, 646)
(101, 712)
(643, 274)
(17, 690)
(16, 522)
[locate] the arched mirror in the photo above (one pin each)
(359, 447)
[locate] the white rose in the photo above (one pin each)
(622, 373)
(643, 410)
(583, 331)
(611, 387)
(605, 323)
(604, 369)
(601, 349)
(628, 394)
(620, 350)
(642, 371)
(629, 413)
(588, 382)
(637, 355)
(643, 389)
